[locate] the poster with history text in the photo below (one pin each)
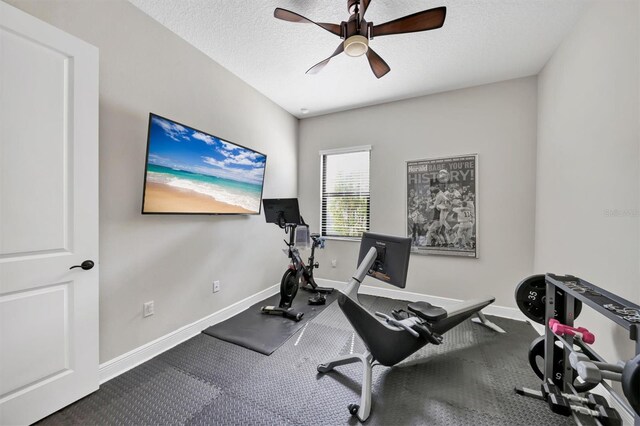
(442, 203)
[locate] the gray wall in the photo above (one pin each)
(583, 112)
(498, 122)
(172, 260)
(588, 160)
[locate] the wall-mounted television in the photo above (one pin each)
(192, 172)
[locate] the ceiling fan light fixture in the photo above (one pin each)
(356, 31)
(356, 45)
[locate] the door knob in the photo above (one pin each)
(86, 265)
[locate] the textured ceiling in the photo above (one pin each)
(481, 42)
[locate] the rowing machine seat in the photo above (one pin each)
(427, 311)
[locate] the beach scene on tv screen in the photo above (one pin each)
(192, 172)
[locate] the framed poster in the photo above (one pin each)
(442, 203)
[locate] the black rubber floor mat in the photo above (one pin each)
(263, 333)
(467, 380)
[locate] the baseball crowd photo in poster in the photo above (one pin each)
(442, 201)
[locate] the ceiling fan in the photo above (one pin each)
(357, 32)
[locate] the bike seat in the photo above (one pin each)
(427, 311)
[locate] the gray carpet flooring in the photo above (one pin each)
(468, 380)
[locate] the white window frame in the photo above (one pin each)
(346, 150)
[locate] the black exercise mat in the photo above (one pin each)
(264, 333)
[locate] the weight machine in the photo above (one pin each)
(570, 365)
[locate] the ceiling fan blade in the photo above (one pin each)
(320, 65)
(421, 21)
(364, 4)
(378, 65)
(287, 15)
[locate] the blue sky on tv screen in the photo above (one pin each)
(183, 148)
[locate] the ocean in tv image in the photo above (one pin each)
(192, 172)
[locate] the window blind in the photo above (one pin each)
(345, 200)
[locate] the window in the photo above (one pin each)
(345, 202)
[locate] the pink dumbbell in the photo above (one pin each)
(581, 333)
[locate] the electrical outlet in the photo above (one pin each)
(147, 309)
(216, 286)
(334, 263)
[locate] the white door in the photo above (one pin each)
(48, 218)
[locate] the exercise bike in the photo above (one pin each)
(285, 214)
(299, 275)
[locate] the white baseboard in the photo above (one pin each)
(445, 302)
(135, 357)
(116, 366)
